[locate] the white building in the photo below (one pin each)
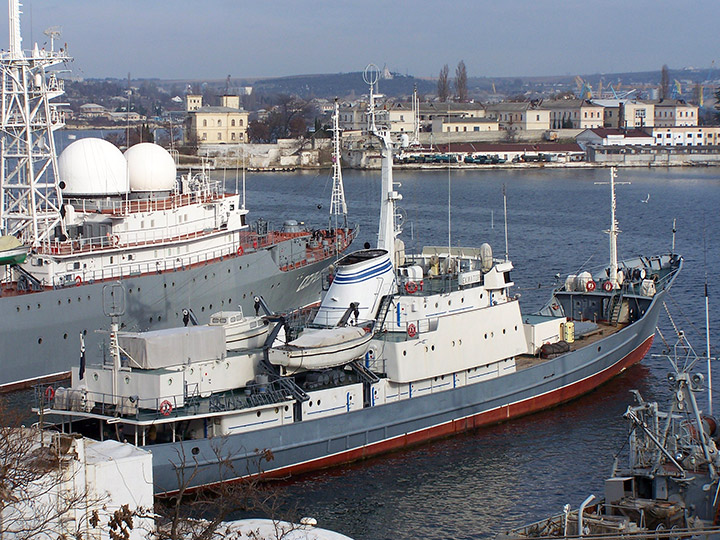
(96, 477)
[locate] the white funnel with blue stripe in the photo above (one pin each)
(363, 277)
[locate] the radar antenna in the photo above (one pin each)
(53, 32)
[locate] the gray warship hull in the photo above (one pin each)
(313, 444)
(40, 331)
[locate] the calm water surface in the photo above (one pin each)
(475, 485)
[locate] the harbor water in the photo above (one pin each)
(478, 484)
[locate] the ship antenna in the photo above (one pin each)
(114, 307)
(707, 319)
(613, 231)
(507, 255)
(388, 230)
(338, 207)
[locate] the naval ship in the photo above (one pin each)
(182, 248)
(404, 348)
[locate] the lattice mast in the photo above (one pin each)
(338, 207)
(30, 197)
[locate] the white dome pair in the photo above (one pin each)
(97, 167)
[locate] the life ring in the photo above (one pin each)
(608, 286)
(165, 408)
(78, 281)
(411, 330)
(590, 286)
(114, 239)
(49, 393)
(411, 287)
(240, 251)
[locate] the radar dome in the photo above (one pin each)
(93, 167)
(151, 168)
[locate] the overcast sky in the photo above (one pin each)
(263, 38)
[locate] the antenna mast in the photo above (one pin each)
(613, 231)
(388, 230)
(338, 207)
(30, 196)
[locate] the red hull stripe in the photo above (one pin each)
(501, 414)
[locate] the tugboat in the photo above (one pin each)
(448, 351)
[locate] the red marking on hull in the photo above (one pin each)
(495, 416)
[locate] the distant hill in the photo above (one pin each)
(341, 85)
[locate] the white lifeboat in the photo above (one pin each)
(240, 332)
(362, 280)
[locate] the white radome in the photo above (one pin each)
(150, 167)
(93, 166)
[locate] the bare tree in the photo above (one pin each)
(461, 82)
(38, 492)
(177, 517)
(664, 82)
(443, 87)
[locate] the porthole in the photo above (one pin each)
(173, 284)
(449, 302)
(453, 343)
(87, 298)
(492, 334)
(205, 277)
(59, 302)
(432, 348)
(95, 376)
(599, 349)
(436, 304)
(309, 403)
(287, 408)
(170, 381)
(210, 307)
(130, 290)
(462, 300)
(79, 299)
(65, 336)
(404, 353)
(318, 402)
(516, 327)
(39, 341)
(18, 309)
(277, 410)
(258, 414)
(481, 296)
(159, 318)
(485, 336)
(164, 285)
(503, 330)
(127, 380)
(84, 332)
(195, 451)
(459, 342)
(228, 270)
(138, 289)
(244, 296)
(69, 300)
(39, 304)
(426, 349)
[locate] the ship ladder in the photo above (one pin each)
(616, 307)
(364, 373)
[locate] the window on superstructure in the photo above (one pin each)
(219, 123)
(205, 122)
(232, 122)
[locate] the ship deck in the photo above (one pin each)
(602, 331)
